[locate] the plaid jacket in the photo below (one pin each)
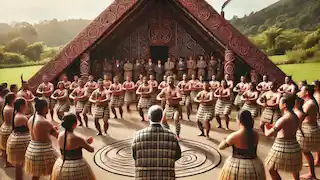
(155, 150)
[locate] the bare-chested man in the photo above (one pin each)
(117, 99)
(154, 85)
(214, 83)
(285, 154)
(74, 84)
(288, 88)
(161, 86)
(195, 86)
(224, 103)
(172, 96)
(270, 101)
(138, 83)
(61, 95)
(264, 86)
(80, 97)
(66, 82)
(206, 109)
(101, 97)
(192, 67)
(45, 89)
(250, 100)
(240, 88)
(185, 90)
(145, 91)
(309, 138)
(229, 81)
(91, 85)
(130, 92)
(40, 146)
(28, 96)
(107, 82)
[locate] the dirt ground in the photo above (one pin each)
(120, 129)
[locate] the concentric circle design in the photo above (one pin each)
(196, 158)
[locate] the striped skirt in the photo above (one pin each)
(186, 100)
(16, 147)
(129, 97)
(310, 142)
(242, 169)
(223, 107)
(101, 112)
(39, 159)
(145, 103)
(252, 108)
(62, 108)
(5, 131)
(72, 169)
(205, 112)
(285, 155)
(238, 101)
(116, 101)
(82, 106)
(270, 115)
(170, 110)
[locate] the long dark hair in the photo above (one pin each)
(299, 103)
(40, 104)
(246, 120)
(310, 90)
(17, 108)
(68, 121)
(9, 98)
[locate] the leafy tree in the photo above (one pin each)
(33, 51)
(16, 45)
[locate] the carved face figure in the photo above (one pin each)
(213, 78)
(75, 78)
(159, 62)
(211, 58)
(150, 61)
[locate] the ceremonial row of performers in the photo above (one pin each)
(201, 67)
(27, 143)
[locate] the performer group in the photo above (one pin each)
(288, 112)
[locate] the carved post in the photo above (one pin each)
(229, 63)
(85, 66)
(254, 76)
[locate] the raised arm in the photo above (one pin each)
(259, 100)
(227, 95)
(93, 98)
(86, 145)
(270, 131)
(138, 92)
(196, 99)
(227, 142)
(72, 94)
(159, 96)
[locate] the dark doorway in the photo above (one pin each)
(159, 53)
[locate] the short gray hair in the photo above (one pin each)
(155, 113)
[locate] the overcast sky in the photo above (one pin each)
(36, 10)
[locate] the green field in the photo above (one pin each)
(278, 59)
(308, 71)
(12, 75)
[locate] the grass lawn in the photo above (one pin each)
(278, 59)
(299, 72)
(308, 71)
(12, 75)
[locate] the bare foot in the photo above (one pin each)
(307, 176)
(99, 134)
(208, 137)
(202, 134)
(219, 126)
(316, 164)
(227, 128)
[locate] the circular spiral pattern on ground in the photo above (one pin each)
(196, 158)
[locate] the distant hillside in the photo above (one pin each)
(286, 14)
(52, 33)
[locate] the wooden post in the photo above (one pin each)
(229, 63)
(85, 66)
(253, 76)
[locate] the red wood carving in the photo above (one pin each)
(231, 37)
(85, 66)
(229, 63)
(82, 41)
(254, 76)
(199, 9)
(162, 30)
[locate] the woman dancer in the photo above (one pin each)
(244, 163)
(3, 92)
(250, 98)
(61, 95)
(40, 156)
(28, 96)
(6, 127)
(19, 139)
(71, 164)
(270, 101)
(223, 105)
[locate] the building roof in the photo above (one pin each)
(199, 10)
